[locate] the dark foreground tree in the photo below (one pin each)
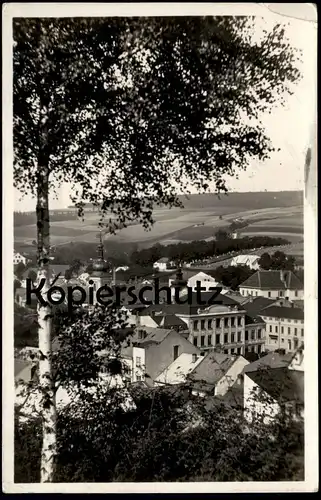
(124, 108)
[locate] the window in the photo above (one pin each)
(302, 332)
(239, 350)
(195, 341)
(269, 294)
(282, 340)
(295, 331)
(139, 360)
(225, 338)
(217, 339)
(289, 344)
(209, 324)
(139, 378)
(295, 321)
(225, 351)
(259, 333)
(239, 321)
(232, 351)
(281, 293)
(218, 323)
(195, 325)
(103, 369)
(296, 293)
(270, 328)
(239, 336)
(232, 338)
(259, 348)
(256, 293)
(232, 321)
(282, 329)
(225, 322)
(202, 324)
(246, 335)
(295, 341)
(289, 331)
(209, 340)
(202, 340)
(252, 334)
(140, 334)
(276, 329)
(175, 351)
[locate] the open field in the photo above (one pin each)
(271, 214)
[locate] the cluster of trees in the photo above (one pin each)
(278, 260)
(197, 250)
(232, 276)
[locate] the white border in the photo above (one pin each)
(11, 10)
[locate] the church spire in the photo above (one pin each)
(100, 266)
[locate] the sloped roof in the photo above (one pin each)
(19, 366)
(163, 260)
(154, 335)
(281, 383)
(244, 259)
(170, 320)
(212, 368)
(253, 319)
(179, 369)
(271, 280)
(271, 360)
(254, 305)
(283, 312)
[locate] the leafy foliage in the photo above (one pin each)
(147, 102)
(168, 436)
(277, 261)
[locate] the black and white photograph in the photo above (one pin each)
(160, 247)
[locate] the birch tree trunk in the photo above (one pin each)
(46, 382)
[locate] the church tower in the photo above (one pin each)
(179, 284)
(100, 275)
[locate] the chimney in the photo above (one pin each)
(283, 276)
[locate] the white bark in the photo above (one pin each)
(46, 383)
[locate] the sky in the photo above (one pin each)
(288, 127)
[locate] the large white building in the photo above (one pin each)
(284, 328)
(206, 281)
(246, 260)
(274, 285)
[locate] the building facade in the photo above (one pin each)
(284, 328)
(274, 285)
(225, 327)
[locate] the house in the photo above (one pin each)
(267, 392)
(284, 327)
(18, 257)
(206, 281)
(162, 347)
(246, 260)
(178, 371)
(162, 264)
(216, 373)
(134, 358)
(273, 284)
(269, 361)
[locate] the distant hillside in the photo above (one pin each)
(248, 200)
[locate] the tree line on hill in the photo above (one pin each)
(27, 218)
(197, 250)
